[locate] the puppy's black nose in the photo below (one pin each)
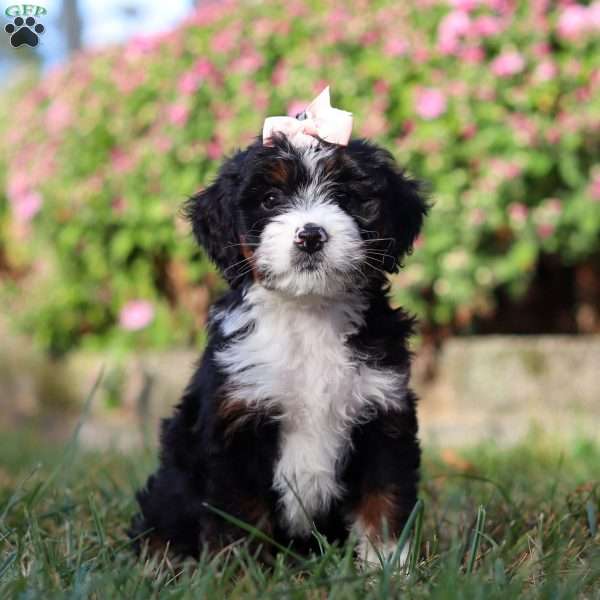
(310, 238)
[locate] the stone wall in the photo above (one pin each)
(499, 387)
(482, 388)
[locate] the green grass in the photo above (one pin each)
(494, 524)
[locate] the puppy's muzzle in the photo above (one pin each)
(310, 238)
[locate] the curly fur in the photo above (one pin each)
(300, 413)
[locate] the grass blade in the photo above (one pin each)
(253, 531)
(402, 541)
(416, 540)
(476, 541)
(10, 559)
(71, 445)
(592, 517)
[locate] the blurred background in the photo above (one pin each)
(125, 108)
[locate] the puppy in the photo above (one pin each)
(299, 416)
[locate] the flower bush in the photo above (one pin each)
(494, 103)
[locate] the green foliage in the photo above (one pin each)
(495, 524)
(494, 104)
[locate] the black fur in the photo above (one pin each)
(222, 456)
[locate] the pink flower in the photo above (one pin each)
(178, 114)
(118, 205)
(395, 46)
(456, 23)
(163, 143)
(374, 124)
(430, 103)
(139, 45)
(121, 162)
(421, 55)
(583, 94)
(542, 49)
(553, 135)
(381, 87)
(477, 216)
(595, 188)
(203, 68)
(214, 150)
(518, 212)
(553, 207)
(572, 21)
(486, 26)
(58, 117)
(224, 41)
(370, 38)
(507, 64)
(594, 15)
(545, 230)
(25, 207)
(248, 62)
(18, 184)
(501, 6)
(465, 5)
(473, 55)
(452, 27)
(128, 81)
(136, 314)
(209, 12)
(189, 82)
(280, 74)
(545, 71)
(469, 131)
(512, 170)
(337, 17)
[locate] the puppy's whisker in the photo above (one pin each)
(374, 267)
(367, 231)
(379, 255)
(371, 241)
(369, 251)
(244, 244)
(240, 264)
(244, 273)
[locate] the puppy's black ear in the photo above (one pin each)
(213, 214)
(404, 209)
(402, 204)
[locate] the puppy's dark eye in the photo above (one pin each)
(269, 202)
(369, 211)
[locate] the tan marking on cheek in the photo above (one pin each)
(248, 254)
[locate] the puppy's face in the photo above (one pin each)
(311, 221)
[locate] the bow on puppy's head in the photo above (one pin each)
(319, 121)
(307, 211)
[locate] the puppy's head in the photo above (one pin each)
(308, 221)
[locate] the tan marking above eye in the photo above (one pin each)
(279, 172)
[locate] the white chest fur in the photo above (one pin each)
(295, 358)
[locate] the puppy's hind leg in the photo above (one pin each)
(171, 513)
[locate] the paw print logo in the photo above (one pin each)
(24, 31)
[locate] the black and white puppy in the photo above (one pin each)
(299, 415)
